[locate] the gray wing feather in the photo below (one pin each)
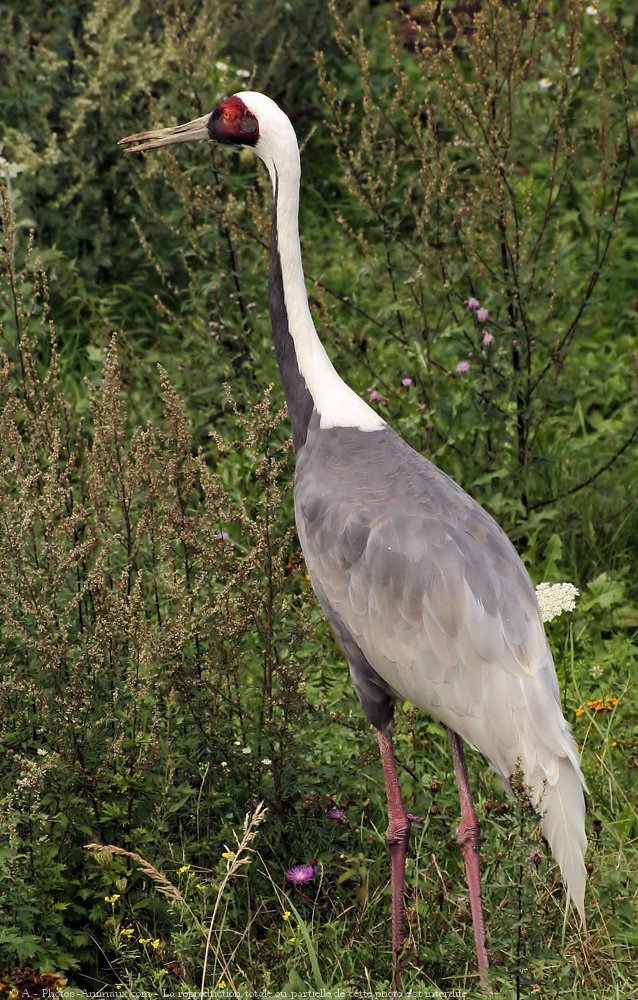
(421, 579)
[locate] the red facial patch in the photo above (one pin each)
(232, 122)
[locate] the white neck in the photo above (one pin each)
(335, 402)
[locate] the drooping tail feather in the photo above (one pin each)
(562, 806)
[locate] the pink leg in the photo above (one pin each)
(397, 836)
(467, 837)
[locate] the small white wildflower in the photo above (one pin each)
(243, 73)
(224, 763)
(592, 10)
(596, 671)
(574, 71)
(554, 598)
(266, 761)
(237, 743)
(41, 752)
(545, 83)
(221, 66)
(246, 750)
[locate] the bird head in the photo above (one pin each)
(232, 122)
(245, 119)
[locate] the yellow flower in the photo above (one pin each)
(112, 899)
(613, 743)
(155, 944)
(287, 915)
(127, 932)
(183, 870)
(221, 985)
(144, 940)
(607, 704)
(229, 855)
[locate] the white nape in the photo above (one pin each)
(335, 402)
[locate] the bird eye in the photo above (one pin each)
(226, 115)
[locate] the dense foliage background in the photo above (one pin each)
(165, 666)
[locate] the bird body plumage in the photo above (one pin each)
(432, 604)
(427, 596)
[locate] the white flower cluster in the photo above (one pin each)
(554, 598)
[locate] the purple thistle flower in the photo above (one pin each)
(375, 396)
(472, 303)
(300, 874)
(482, 314)
(488, 338)
(407, 381)
(337, 815)
(462, 368)
(535, 855)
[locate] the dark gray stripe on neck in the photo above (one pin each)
(298, 398)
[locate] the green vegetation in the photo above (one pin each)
(166, 669)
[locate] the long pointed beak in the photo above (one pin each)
(195, 131)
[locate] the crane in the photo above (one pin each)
(426, 595)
